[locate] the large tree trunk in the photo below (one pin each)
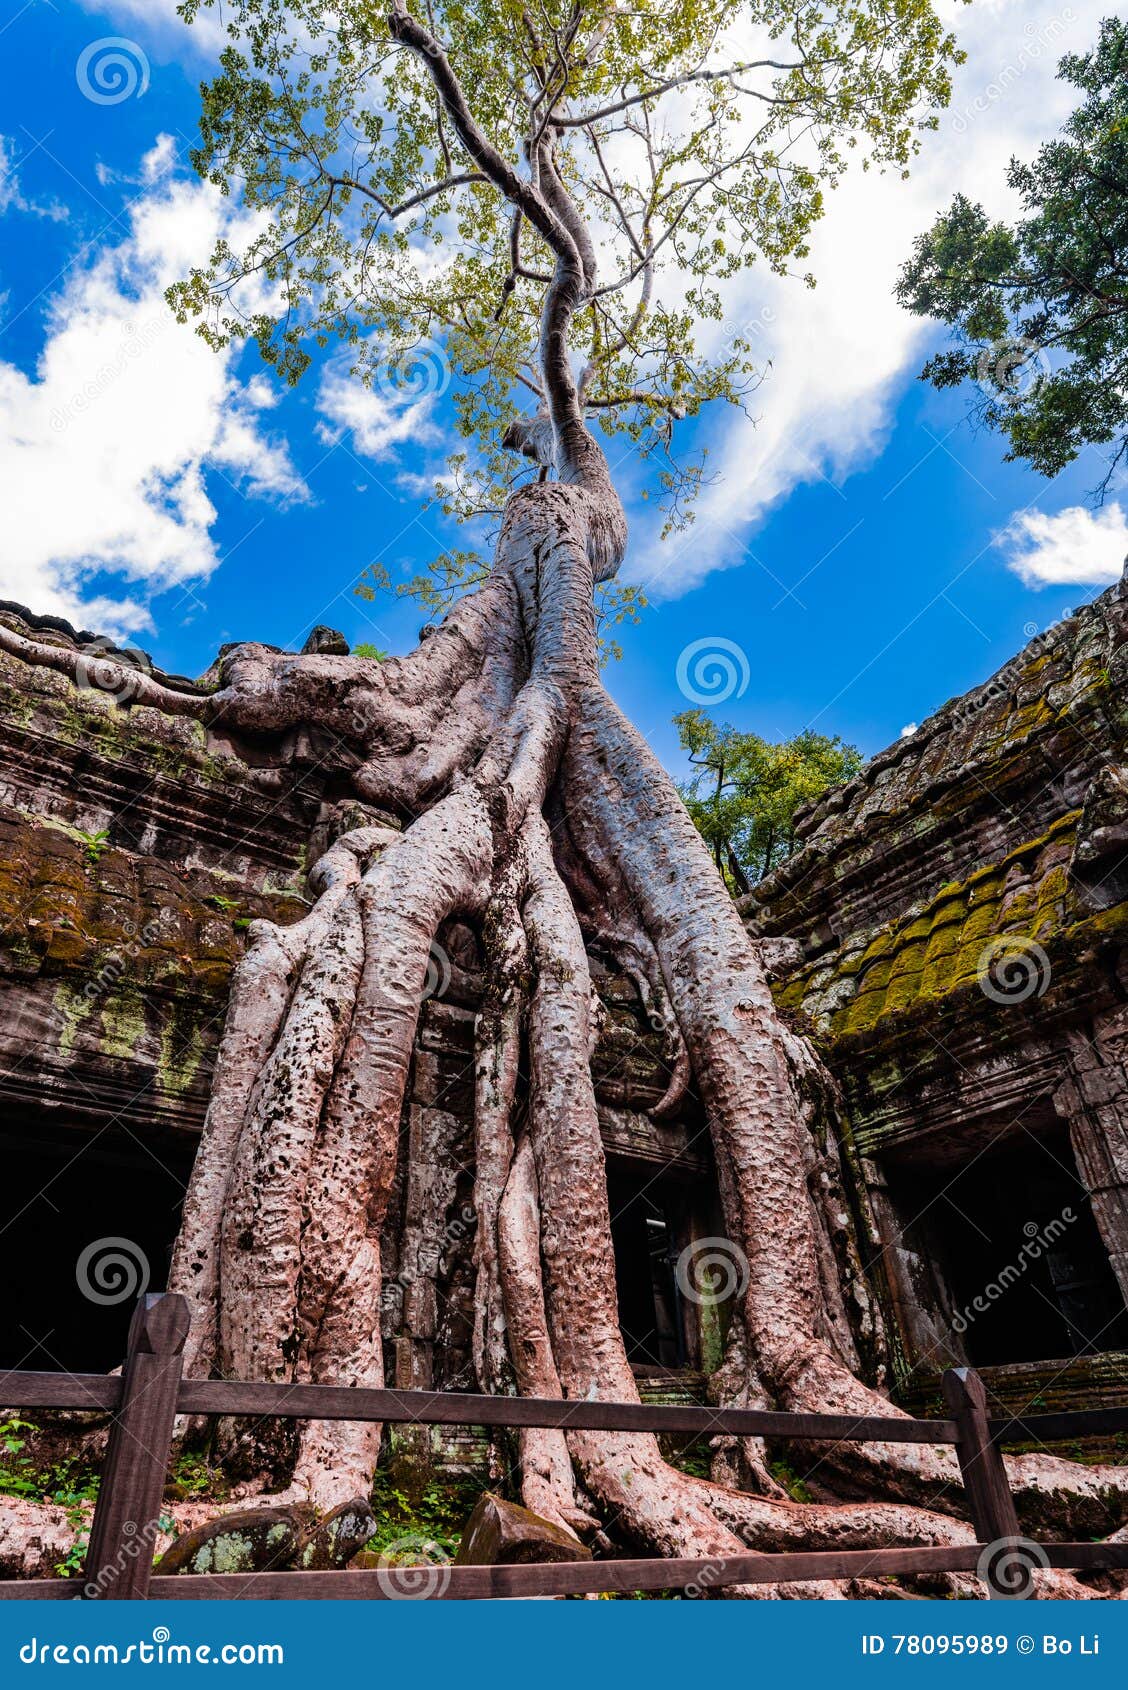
(533, 811)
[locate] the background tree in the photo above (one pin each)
(1040, 307)
(547, 195)
(746, 790)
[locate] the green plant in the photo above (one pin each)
(17, 1473)
(221, 904)
(190, 1475)
(785, 1475)
(366, 650)
(439, 1511)
(95, 845)
(66, 1483)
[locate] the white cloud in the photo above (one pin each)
(840, 353)
(12, 196)
(379, 419)
(160, 20)
(908, 730)
(1077, 546)
(105, 446)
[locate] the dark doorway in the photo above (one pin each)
(647, 1227)
(1012, 1238)
(86, 1223)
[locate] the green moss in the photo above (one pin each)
(124, 1024)
(75, 1005)
(181, 1052)
(911, 967)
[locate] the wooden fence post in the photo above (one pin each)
(119, 1559)
(981, 1463)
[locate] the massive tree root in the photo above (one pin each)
(532, 810)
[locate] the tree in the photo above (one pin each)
(457, 182)
(745, 794)
(1040, 307)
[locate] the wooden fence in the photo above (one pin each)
(150, 1392)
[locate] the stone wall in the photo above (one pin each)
(951, 931)
(958, 919)
(134, 850)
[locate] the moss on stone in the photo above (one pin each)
(913, 965)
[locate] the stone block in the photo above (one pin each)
(500, 1533)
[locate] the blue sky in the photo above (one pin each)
(867, 552)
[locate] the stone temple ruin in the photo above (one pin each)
(953, 928)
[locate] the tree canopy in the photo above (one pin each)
(746, 790)
(1040, 307)
(676, 142)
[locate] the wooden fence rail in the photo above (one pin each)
(150, 1393)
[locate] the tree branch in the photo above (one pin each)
(583, 119)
